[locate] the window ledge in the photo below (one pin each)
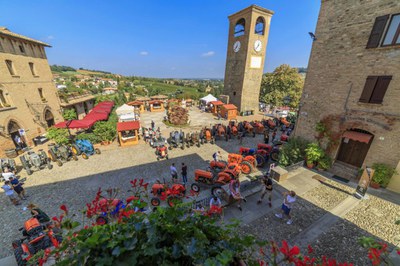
(15, 76)
(369, 104)
(36, 76)
(3, 109)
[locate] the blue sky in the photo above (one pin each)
(182, 39)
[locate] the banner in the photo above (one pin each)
(363, 184)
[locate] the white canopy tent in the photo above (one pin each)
(125, 109)
(207, 99)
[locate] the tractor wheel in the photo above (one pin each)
(226, 137)
(16, 244)
(101, 220)
(50, 166)
(85, 156)
(155, 202)
(52, 155)
(97, 151)
(254, 134)
(198, 144)
(170, 147)
(195, 187)
(24, 162)
(173, 200)
(212, 141)
(18, 252)
(260, 160)
(216, 191)
(158, 158)
(75, 149)
(74, 157)
(274, 156)
(59, 163)
(183, 146)
(246, 167)
(167, 157)
(28, 171)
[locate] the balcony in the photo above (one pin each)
(74, 98)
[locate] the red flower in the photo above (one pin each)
(64, 208)
(289, 253)
(374, 255)
(141, 182)
(310, 249)
(398, 252)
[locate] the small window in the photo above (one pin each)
(10, 67)
(21, 48)
(374, 89)
(33, 48)
(260, 25)
(12, 46)
(1, 45)
(3, 102)
(234, 93)
(239, 27)
(40, 90)
(32, 67)
(392, 36)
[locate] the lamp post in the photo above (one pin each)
(69, 132)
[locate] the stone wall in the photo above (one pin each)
(337, 72)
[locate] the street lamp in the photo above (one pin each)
(69, 132)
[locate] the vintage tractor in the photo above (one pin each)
(8, 163)
(220, 131)
(247, 163)
(232, 128)
(176, 140)
(84, 148)
(248, 129)
(206, 136)
(193, 138)
(258, 127)
(36, 238)
(60, 153)
(162, 191)
(161, 152)
(271, 123)
(272, 151)
(219, 174)
(157, 141)
(260, 155)
(35, 160)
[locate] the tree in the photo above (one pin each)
(282, 87)
(69, 114)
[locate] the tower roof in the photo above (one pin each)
(253, 7)
(7, 32)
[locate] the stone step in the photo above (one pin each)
(344, 170)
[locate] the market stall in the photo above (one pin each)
(156, 106)
(228, 111)
(128, 133)
(139, 105)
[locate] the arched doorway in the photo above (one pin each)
(13, 130)
(49, 118)
(354, 146)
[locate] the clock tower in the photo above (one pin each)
(247, 44)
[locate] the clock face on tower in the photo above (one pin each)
(257, 45)
(236, 46)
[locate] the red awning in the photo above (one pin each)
(229, 107)
(131, 125)
(217, 103)
(110, 103)
(76, 124)
(96, 116)
(357, 136)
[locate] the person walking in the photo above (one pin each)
(9, 191)
(7, 174)
(217, 156)
(184, 173)
(266, 189)
(288, 199)
(266, 136)
(234, 187)
(17, 186)
(152, 125)
(174, 173)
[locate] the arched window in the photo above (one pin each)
(239, 27)
(49, 118)
(13, 127)
(260, 26)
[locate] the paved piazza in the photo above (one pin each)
(325, 215)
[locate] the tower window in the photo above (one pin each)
(239, 27)
(3, 102)
(1, 46)
(234, 93)
(260, 26)
(10, 67)
(32, 67)
(21, 48)
(40, 90)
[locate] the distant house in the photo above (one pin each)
(109, 90)
(61, 87)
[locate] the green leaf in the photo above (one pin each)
(116, 251)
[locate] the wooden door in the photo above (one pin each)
(353, 152)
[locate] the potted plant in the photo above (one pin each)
(324, 163)
(313, 153)
(382, 175)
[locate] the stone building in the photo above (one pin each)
(352, 88)
(28, 97)
(247, 44)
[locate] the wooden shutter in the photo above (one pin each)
(377, 31)
(380, 89)
(368, 89)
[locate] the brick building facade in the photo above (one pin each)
(28, 97)
(352, 88)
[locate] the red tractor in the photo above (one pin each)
(233, 128)
(161, 152)
(37, 237)
(272, 151)
(258, 127)
(260, 154)
(247, 163)
(172, 195)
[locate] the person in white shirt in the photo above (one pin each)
(7, 174)
(9, 191)
(215, 201)
(288, 199)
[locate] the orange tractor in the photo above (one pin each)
(232, 128)
(220, 131)
(247, 163)
(220, 174)
(206, 136)
(172, 194)
(258, 127)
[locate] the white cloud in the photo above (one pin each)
(144, 53)
(50, 37)
(208, 54)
